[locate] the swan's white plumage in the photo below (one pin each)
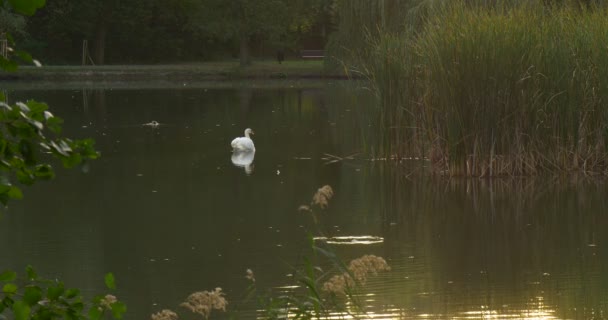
(243, 159)
(243, 143)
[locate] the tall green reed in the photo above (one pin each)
(497, 90)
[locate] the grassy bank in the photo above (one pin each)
(498, 91)
(228, 70)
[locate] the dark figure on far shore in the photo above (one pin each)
(280, 56)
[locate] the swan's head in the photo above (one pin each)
(248, 131)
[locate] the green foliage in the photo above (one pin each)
(109, 280)
(38, 298)
(28, 134)
(27, 7)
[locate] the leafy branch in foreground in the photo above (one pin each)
(37, 298)
(29, 136)
(28, 133)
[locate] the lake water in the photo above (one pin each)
(168, 213)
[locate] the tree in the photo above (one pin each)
(10, 22)
(143, 31)
(240, 21)
(117, 31)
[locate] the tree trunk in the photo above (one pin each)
(244, 50)
(102, 31)
(100, 44)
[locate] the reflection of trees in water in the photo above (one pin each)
(499, 242)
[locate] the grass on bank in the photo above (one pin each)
(498, 91)
(221, 70)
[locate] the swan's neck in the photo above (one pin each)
(247, 134)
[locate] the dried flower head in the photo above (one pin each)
(203, 302)
(165, 315)
(368, 264)
(339, 284)
(322, 196)
(304, 208)
(250, 275)
(107, 301)
(358, 271)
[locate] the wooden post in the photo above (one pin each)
(85, 51)
(4, 48)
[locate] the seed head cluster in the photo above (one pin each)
(249, 275)
(107, 301)
(203, 302)
(322, 196)
(358, 272)
(165, 315)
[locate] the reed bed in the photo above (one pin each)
(496, 90)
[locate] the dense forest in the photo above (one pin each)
(170, 31)
(138, 31)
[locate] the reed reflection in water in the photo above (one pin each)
(521, 248)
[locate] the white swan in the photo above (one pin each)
(243, 159)
(243, 143)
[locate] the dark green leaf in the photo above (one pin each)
(31, 273)
(27, 7)
(118, 309)
(21, 310)
(7, 65)
(44, 172)
(54, 124)
(71, 293)
(53, 293)
(46, 314)
(37, 107)
(9, 288)
(24, 56)
(109, 280)
(5, 188)
(71, 314)
(31, 295)
(8, 301)
(8, 275)
(4, 199)
(95, 313)
(77, 306)
(24, 176)
(15, 193)
(72, 160)
(10, 38)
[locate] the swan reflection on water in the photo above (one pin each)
(243, 159)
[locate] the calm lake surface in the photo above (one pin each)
(168, 213)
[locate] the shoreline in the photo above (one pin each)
(208, 71)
